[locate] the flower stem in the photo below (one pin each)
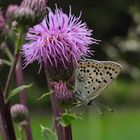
(22, 95)
(5, 107)
(2, 131)
(8, 130)
(64, 133)
(21, 133)
(18, 46)
(68, 133)
(10, 75)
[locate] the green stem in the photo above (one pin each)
(18, 46)
(10, 75)
(21, 133)
(63, 133)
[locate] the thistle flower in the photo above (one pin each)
(24, 17)
(62, 93)
(60, 40)
(10, 13)
(19, 113)
(37, 6)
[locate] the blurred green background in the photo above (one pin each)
(117, 24)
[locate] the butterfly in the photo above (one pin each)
(92, 76)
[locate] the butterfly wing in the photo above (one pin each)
(88, 78)
(110, 72)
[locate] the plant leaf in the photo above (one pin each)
(18, 90)
(45, 94)
(8, 63)
(66, 119)
(9, 54)
(47, 133)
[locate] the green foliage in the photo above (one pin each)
(120, 125)
(9, 54)
(6, 62)
(47, 133)
(66, 119)
(18, 90)
(45, 94)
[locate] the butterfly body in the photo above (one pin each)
(92, 76)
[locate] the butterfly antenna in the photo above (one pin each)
(98, 109)
(109, 109)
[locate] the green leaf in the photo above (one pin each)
(18, 90)
(66, 119)
(45, 94)
(8, 63)
(9, 54)
(47, 133)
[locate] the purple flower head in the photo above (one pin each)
(58, 38)
(62, 93)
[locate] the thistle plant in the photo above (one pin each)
(19, 19)
(57, 43)
(5, 117)
(20, 115)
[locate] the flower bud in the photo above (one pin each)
(62, 94)
(24, 17)
(37, 6)
(10, 13)
(19, 113)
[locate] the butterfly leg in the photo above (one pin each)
(109, 109)
(96, 106)
(98, 109)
